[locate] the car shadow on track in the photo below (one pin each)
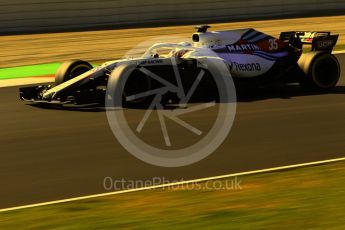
(87, 108)
(243, 95)
(281, 92)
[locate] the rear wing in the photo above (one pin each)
(319, 41)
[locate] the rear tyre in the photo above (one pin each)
(71, 69)
(321, 71)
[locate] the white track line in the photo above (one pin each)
(175, 184)
(25, 81)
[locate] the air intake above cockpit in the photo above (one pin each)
(202, 28)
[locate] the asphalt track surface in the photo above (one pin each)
(48, 154)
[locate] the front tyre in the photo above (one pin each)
(71, 69)
(321, 71)
(123, 90)
(136, 84)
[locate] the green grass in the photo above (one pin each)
(305, 198)
(29, 71)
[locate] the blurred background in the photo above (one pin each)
(102, 30)
(49, 15)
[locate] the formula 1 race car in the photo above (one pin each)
(252, 58)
